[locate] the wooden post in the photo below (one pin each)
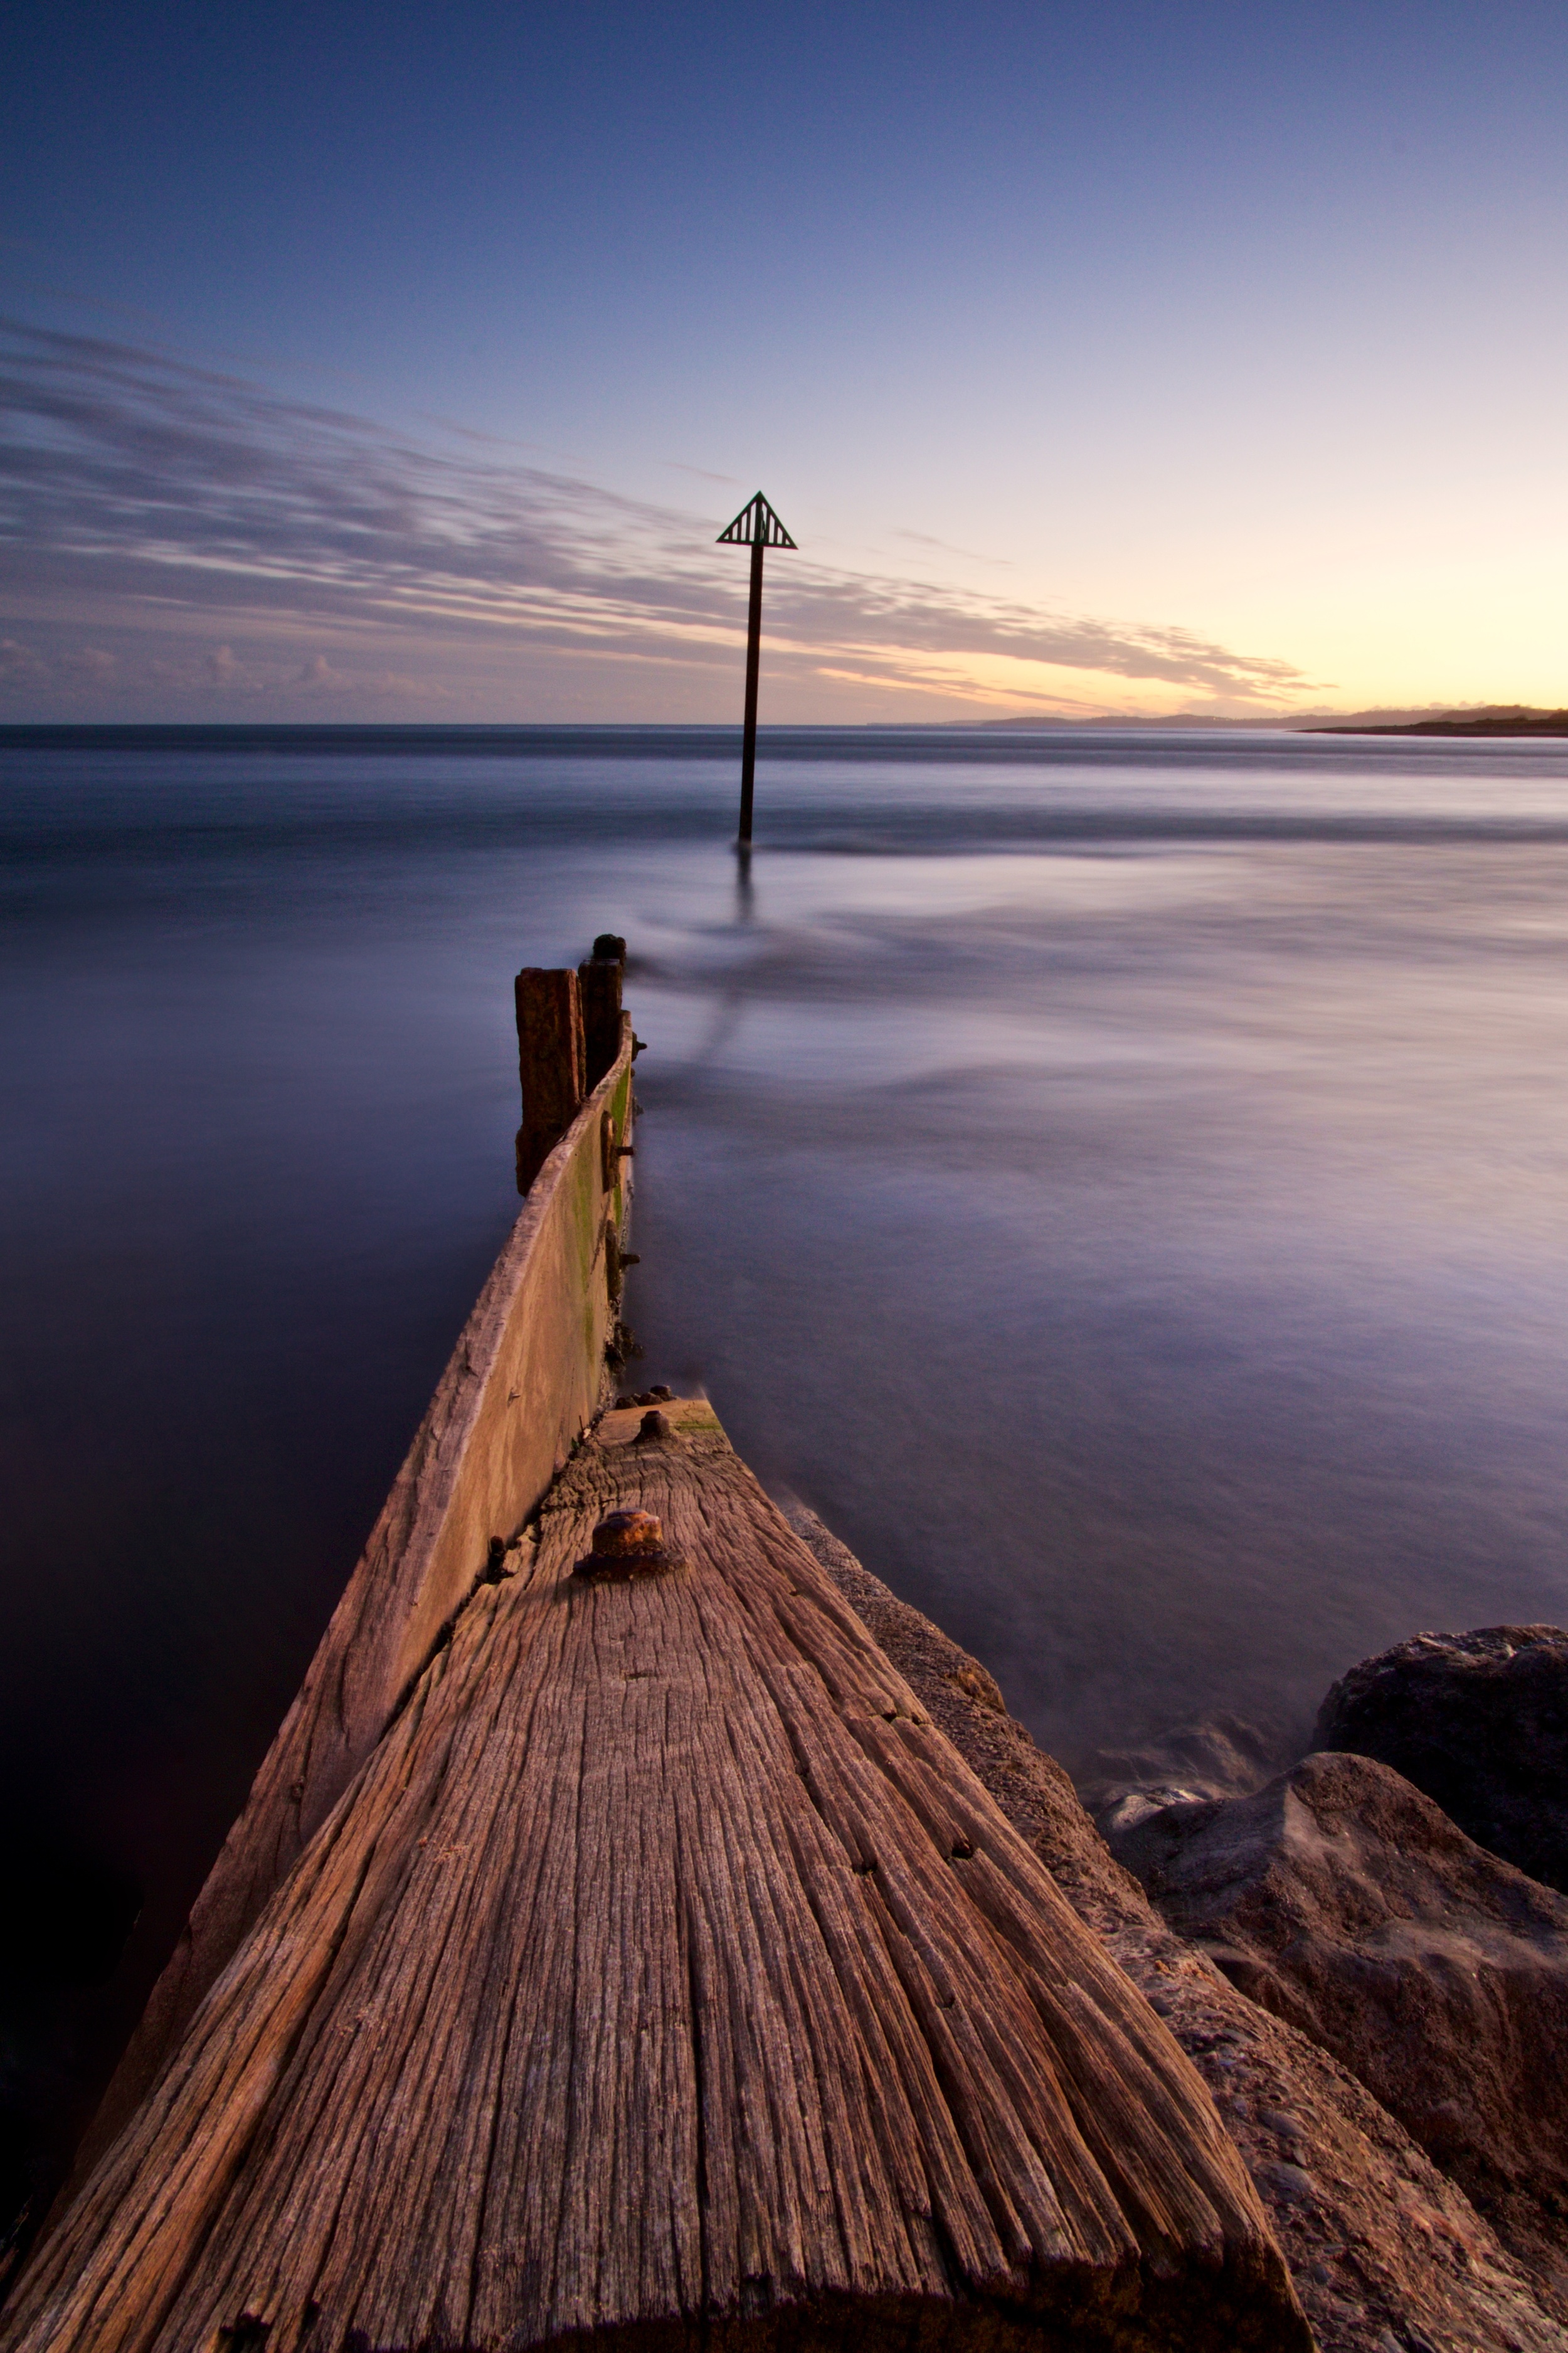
(551, 1064)
(600, 979)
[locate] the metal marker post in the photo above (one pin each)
(753, 665)
(757, 527)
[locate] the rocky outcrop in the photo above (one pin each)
(1387, 2254)
(1478, 1721)
(1220, 1757)
(1343, 1900)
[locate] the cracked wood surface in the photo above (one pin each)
(664, 1973)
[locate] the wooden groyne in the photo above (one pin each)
(613, 1950)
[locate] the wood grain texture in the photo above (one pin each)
(665, 1975)
(525, 1377)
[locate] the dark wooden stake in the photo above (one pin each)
(601, 979)
(550, 1063)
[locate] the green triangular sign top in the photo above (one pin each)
(756, 520)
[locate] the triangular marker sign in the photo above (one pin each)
(756, 520)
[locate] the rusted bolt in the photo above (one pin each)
(628, 1544)
(625, 1151)
(628, 1532)
(655, 1426)
(630, 1258)
(640, 1046)
(662, 1392)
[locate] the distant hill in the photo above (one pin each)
(1493, 719)
(1045, 722)
(1510, 719)
(1424, 719)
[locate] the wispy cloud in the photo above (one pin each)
(138, 491)
(701, 474)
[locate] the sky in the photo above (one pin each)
(404, 364)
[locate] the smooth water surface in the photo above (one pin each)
(1119, 1180)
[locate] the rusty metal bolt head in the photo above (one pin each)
(628, 1544)
(658, 1430)
(620, 1532)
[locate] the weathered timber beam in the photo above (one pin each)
(665, 1979)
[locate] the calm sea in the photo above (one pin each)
(1119, 1180)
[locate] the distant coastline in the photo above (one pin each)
(1511, 719)
(663, 739)
(1517, 722)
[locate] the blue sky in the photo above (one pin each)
(404, 364)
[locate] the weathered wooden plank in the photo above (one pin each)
(664, 1974)
(520, 1385)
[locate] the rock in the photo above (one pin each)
(1387, 2254)
(1341, 1899)
(1478, 1721)
(1222, 1756)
